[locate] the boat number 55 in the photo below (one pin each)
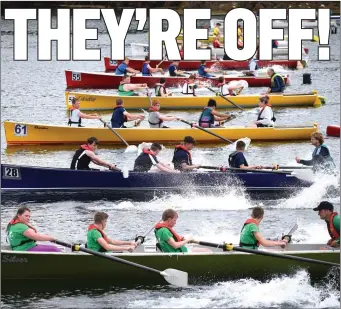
(20, 130)
(76, 76)
(11, 172)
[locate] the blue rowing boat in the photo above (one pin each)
(62, 183)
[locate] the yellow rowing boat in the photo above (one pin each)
(19, 133)
(94, 101)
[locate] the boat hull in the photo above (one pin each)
(111, 65)
(201, 267)
(110, 81)
(94, 101)
(19, 133)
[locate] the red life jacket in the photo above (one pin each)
(86, 147)
(186, 150)
(249, 221)
(176, 236)
(331, 228)
(216, 44)
(15, 221)
(148, 151)
(94, 227)
(153, 109)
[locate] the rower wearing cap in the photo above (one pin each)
(86, 154)
(209, 115)
(266, 117)
(237, 158)
(161, 90)
(250, 236)
(277, 82)
(76, 116)
(168, 239)
(321, 158)
(173, 69)
(326, 213)
(127, 89)
(156, 119)
(120, 115)
(123, 68)
(98, 241)
(147, 70)
(204, 72)
(147, 159)
(182, 158)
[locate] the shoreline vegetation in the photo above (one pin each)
(218, 7)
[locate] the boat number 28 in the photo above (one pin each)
(11, 172)
(76, 76)
(20, 130)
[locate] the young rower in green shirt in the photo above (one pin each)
(250, 236)
(168, 239)
(97, 240)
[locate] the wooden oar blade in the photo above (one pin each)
(304, 174)
(175, 277)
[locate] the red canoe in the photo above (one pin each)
(111, 65)
(99, 80)
(333, 131)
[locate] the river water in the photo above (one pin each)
(33, 91)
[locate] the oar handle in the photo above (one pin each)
(116, 133)
(234, 104)
(105, 256)
(207, 131)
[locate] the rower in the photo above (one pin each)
(22, 236)
(240, 37)
(173, 69)
(123, 68)
(253, 64)
(76, 116)
(161, 90)
(266, 117)
(156, 119)
(250, 236)
(86, 154)
(209, 115)
(326, 213)
(204, 72)
(147, 159)
(147, 69)
(237, 158)
(277, 82)
(229, 89)
(98, 241)
(321, 158)
(182, 158)
(216, 30)
(190, 86)
(216, 43)
(127, 89)
(120, 115)
(168, 240)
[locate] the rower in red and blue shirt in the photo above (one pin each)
(123, 68)
(147, 70)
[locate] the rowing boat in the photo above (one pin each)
(95, 101)
(59, 268)
(20, 133)
(111, 65)
(110, 81)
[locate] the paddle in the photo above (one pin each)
(282, 167)
(234, 104)
(172, 276)
(289, 235)
(140, 239)
(161, 62)
(130, 148)
(230, 247)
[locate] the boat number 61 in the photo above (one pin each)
(20, 130)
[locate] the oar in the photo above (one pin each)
(230, 247)
(282, 167)
(289, 235)
(161, 62)
(140, 239)
(130, 148)
(173, 276)
(234, 104)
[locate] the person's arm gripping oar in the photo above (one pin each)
(230, 247)
(228, 100)
(172, 276)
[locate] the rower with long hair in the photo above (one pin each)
(266, 117)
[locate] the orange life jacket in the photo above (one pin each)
(331, 228)
(15, 221)
(153, 109)
(94, 227)
(186, 150)
(176, 236)
(148, 151)
(249, 221)
(86, 147)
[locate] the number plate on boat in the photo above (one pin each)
(76, 76)
(20, 130)
(70, 99)
(11, 172)
(113, 62)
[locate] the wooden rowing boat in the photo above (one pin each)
(20, 133)
(111, 65)
(110, 81)
(31, 182)
(59, 268)
(95, 101)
